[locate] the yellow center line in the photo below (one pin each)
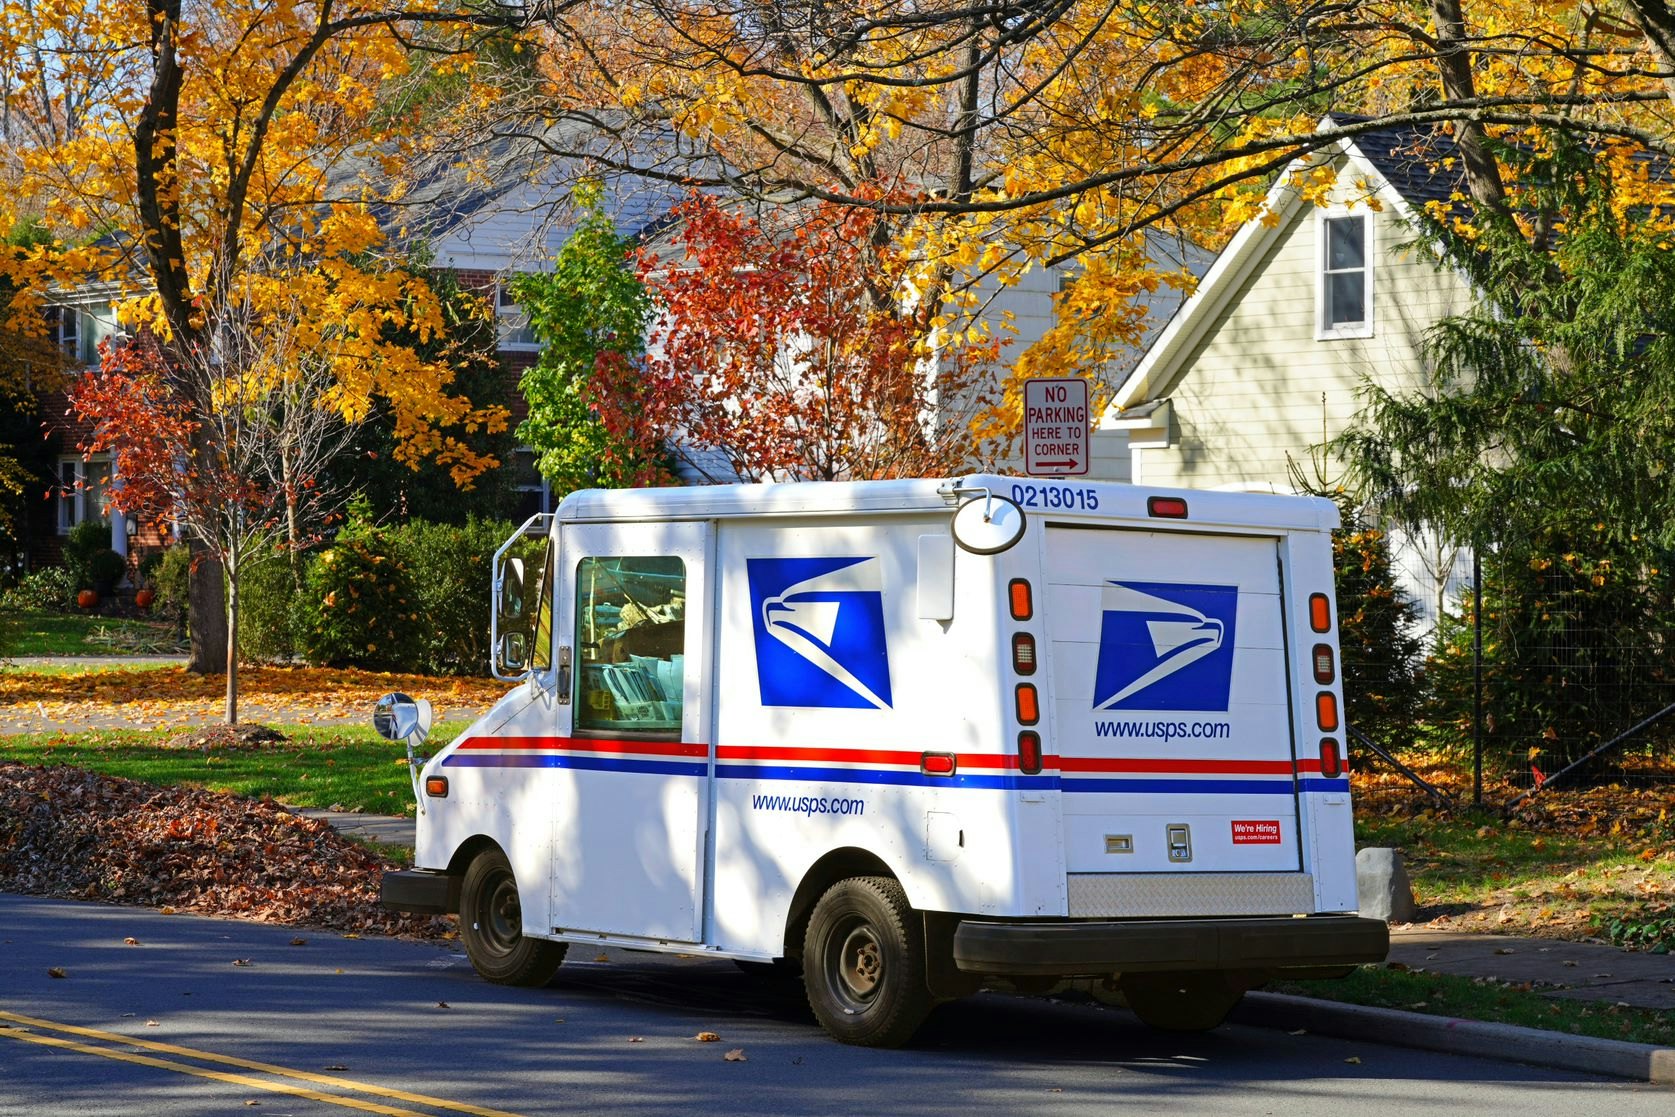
(244, 1064)
(217, 1075)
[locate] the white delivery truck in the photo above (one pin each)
(911, 738)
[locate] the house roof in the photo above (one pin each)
(1404, 166)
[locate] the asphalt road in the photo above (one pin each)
(212, 1017)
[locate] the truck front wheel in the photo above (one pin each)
(1189, 1001)
(491, 926)
(864, 963)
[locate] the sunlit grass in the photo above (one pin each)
(349, 768)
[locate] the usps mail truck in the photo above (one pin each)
(909, 739)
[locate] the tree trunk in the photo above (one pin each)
(1656, 20)
(206, 614)
(232, 644)
(1454, 63)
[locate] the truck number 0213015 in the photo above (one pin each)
(1056, 496)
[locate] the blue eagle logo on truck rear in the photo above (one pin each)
(1165, 646)
(819, 626)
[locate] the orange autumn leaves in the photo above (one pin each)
(173, 696)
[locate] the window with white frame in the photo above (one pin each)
(515, 330)
(83, 491)
(1346, 276)
(64, 326)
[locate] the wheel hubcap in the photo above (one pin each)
(859, 963)
(502, 920)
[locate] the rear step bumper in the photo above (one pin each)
(1068, 949)
(416, 891)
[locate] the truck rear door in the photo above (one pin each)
(1172, 723)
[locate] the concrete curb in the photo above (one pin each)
(1639, 1062)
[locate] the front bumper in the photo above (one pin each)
(418, 891)
(1070, 949)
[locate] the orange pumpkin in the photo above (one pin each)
(87, 599)
(144, 598)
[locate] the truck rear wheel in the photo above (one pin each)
(864, 963)
(1188, 1001)
(491, 926)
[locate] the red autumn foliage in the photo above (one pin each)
(792, 351)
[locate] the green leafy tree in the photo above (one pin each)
(591, 306)
(1544, 440)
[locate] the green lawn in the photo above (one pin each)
(43, 633)
(351, 768)
(1461, 997)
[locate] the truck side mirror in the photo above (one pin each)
(397, 717)
(514, 651)
(511, 603)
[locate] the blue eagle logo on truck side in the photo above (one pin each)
(1165, 646)
(819, 628)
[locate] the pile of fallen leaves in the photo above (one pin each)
(75, 834)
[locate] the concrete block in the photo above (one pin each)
(1381, 879)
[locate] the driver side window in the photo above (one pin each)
(631, 629)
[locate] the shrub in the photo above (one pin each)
(265, 593)
(89, 557)
(357, 607)
(50, 588)
(449, 568)
(171, 574)
(1382, 683)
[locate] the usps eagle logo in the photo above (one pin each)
(1165, 646)
(819, 626)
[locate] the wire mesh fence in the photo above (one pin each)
(1549, 666)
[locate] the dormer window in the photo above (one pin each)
(1346, 276)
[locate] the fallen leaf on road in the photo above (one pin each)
(1353, 1059)
(636, 1039)
(735, 1056)
(602, 958)
(1504, 950)
(152, 1024)
(442, 1004)
(299, 942)
(57, 971)
(707, 1037)
(131, 941)
(241, 961)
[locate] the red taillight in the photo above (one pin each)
(1023, 653)
(1029, 753)
(1171, 506)
(1331, 760)
(1028, 704)
(436, 787)
(938, 763)
(1020, 599)
(1326, 711)
(1320, 612)
(1323, 668)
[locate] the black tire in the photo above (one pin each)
(864, 963)
(491, 926)
(1188, 1001)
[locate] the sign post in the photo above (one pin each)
(1056, 427)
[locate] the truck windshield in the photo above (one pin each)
(631, 628)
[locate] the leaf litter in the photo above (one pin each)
(74, 834)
